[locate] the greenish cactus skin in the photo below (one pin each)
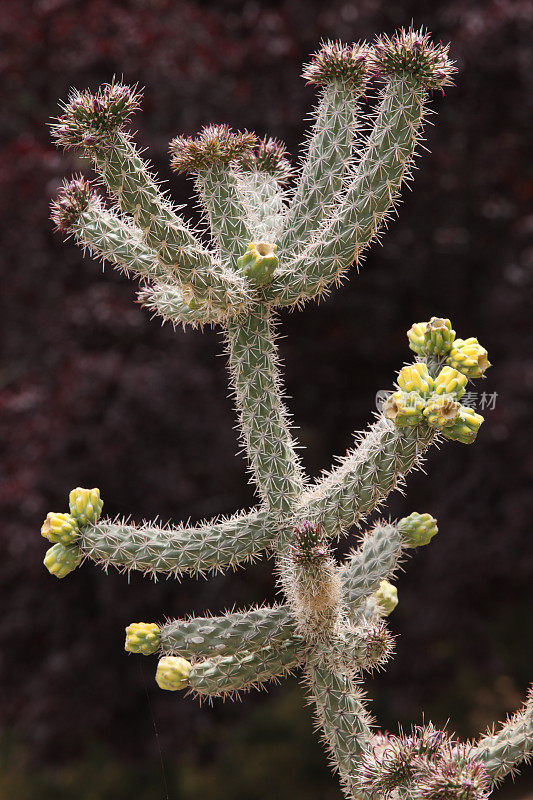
(273, 247)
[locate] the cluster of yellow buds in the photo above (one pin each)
(436, 400)
(63, 530)
(437, 338)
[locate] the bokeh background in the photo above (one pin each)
(93, 392)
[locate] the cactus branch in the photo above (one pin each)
(213, 158)
(367, 201)
(503, 750)
(342, 74)
(366, 475)
(342, 718)
(80, 212)
(260, 183)
(225, 675)
(263, 417)
(176, 550)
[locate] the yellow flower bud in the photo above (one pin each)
(142, 637)
(173, 673)
(60, 528)
(85, 505)
(416, 378)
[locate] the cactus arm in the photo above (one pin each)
(261, 183)
(376, 559)
(209, 547)
(94, 124)
(230, 633)
(366, 475)
(310, 579)
(214, 159)
(243, 537)
(330, 145)
(343, 718)
(501, 751)
(169, 303)
(243, 667)
(323, 171)
(253, 630)
(368, 200)
(79, 211)
(226, 211)
(225, 675)
(263, 417)
(263, 199)
(127, 177)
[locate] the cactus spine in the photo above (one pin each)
(272, 248)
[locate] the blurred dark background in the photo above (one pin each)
(94, 393)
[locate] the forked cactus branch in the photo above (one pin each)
(271, 247)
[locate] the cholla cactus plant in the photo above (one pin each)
(270, 248)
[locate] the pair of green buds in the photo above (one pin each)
(417, 530)
(63, 530)
(420, 397)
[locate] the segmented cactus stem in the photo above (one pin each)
(263, 417)
(274, 247)
(504, 749)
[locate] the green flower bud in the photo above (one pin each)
(416, 378)
(173, 673)
(142, 637)
(405, 409)
(416, 336)
(386, 598)
(259, 262)
(438, 336)
(441, 411)
(60, 528)
(85, 505)
(465, 426)
(62, 559)
(418, 529)
(469, 357)
(450, 381)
